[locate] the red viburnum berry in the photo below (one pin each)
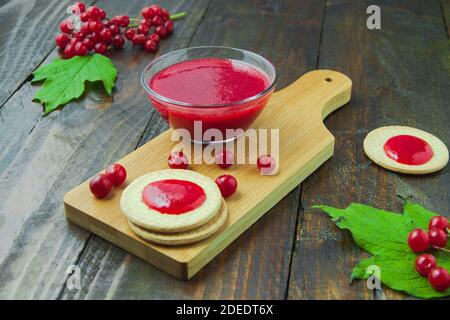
(147, 13)
(224, 158)
(118, 41)
(79, 35)
(227, 185)
(169, 26)
(150, 46)
(154, 37)
(101, 48)
(425, 263)
(100, 186)
(94, 12)
(157, 11)
(114, 29)
(106, 35)
(116, 174)
(161, 31)
(438, 238)
(138, 39)
(143, 29)
(66, 26)
(68, 51)
(129, 34)
(124, 21)
(439, 222)
(95, 26)
(85, 28)
(101, 14)
(88, 43)
(439, 279)
(165, 14)
(80, 49)
(85, 17)
(80, 6)
(62, 40)
(157, 21)
(178, 160)
(418, 240)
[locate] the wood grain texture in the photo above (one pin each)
(254, 266)
(445, 6)
(27, 36)
(401, 77)
(402, 67)
(49, 155)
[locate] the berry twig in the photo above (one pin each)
(177, 15)
(440, 248)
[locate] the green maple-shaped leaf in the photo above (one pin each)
(65, 79)
(384, 234)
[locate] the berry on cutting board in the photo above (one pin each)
(178, 160)
(224, 158)
(227, 185)
(116, 174)
(100, 186)
(266, 164)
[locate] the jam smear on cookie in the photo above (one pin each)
(172, 196)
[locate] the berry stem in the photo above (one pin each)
(177, 16)
(442, 249)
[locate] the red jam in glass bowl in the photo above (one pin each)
(223, 88)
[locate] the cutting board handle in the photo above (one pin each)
(322, 90)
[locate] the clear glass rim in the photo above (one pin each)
(184, 104)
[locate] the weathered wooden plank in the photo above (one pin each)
(27, 33)
(50, 155)
(256, 265)
(400, 76)
(445, 5)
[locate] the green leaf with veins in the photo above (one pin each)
(65, 79)
(384, 234)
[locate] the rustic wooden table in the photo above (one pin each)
(400, 76)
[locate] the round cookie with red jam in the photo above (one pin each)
(171, 201)
(200, 233)
(406, 150)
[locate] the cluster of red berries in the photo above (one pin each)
(102, 184)
(153, 16)
(419, 240)
(99, 33)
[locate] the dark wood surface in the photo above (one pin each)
(400, 75)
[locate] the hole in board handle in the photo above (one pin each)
(328, 79)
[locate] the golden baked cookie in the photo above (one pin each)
(200, 233)
(141, 214)
(374, 147)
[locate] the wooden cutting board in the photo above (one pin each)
(297, 111)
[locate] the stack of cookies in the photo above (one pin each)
(174, 207)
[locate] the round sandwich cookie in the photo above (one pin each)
(187, 237)
(171, 201)
(406, 150)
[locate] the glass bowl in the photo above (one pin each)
(225, 118)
